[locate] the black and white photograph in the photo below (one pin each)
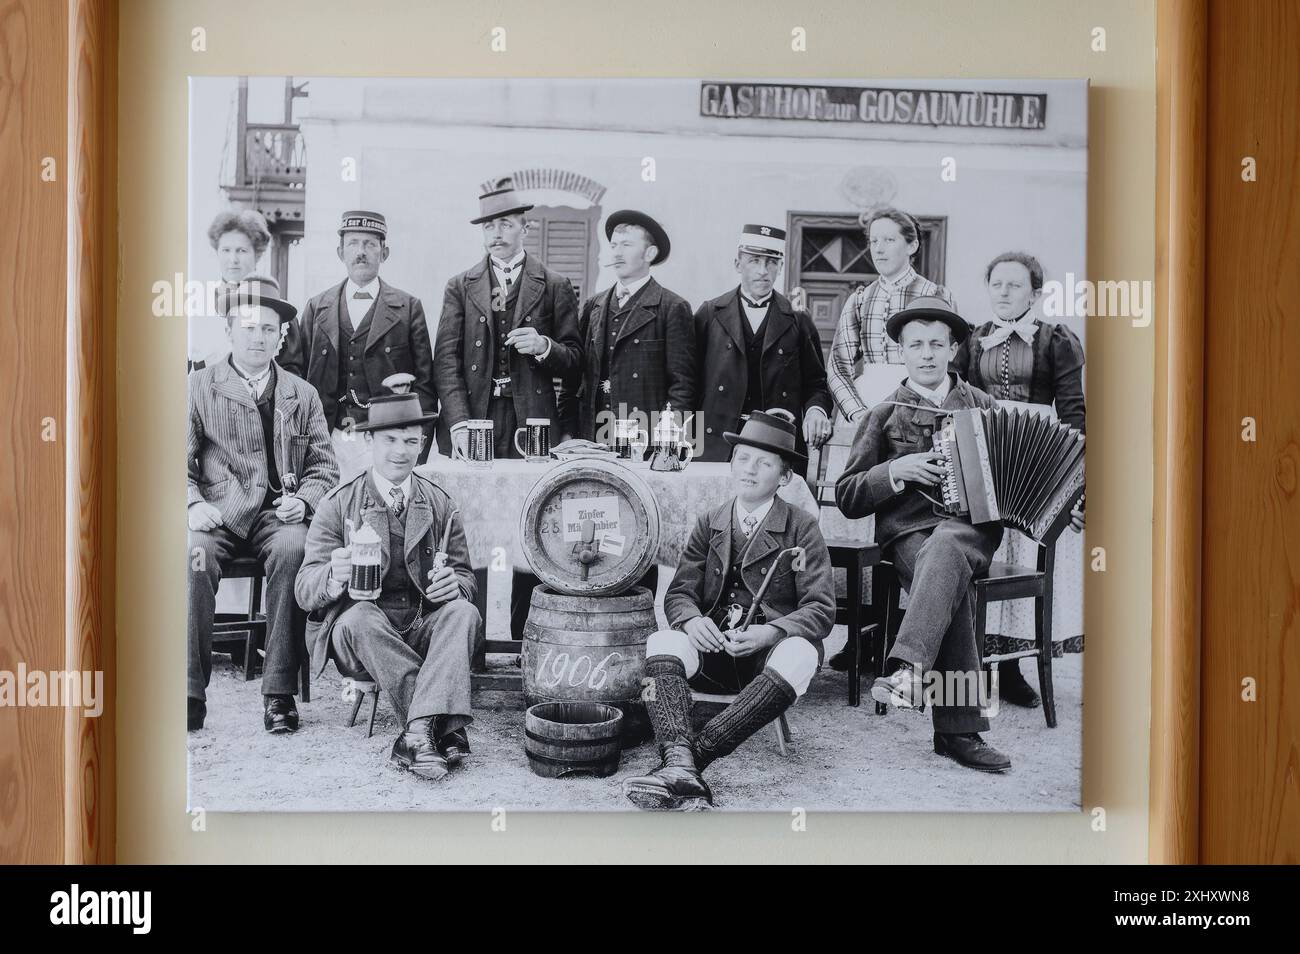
(635, 444)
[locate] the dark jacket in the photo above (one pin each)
(793, 367)
(398, 340)
(798, 602)
(426, 515)
(226, 446)
(1057, 378)
(890, 431)
(653, 362)
(465, 355)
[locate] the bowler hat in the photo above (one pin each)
(501, 199)
(258, 291)
(928, 308)
(359, 220)
(388, 411)
(766, 431)
(658, 237)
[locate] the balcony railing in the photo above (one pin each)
(274, 155)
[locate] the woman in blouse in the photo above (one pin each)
(239, 239)
(1017, 357)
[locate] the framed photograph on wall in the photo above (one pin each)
(722, 391)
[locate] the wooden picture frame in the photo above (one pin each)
(65, 775)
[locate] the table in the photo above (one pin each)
(491, 500)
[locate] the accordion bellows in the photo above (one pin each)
(1011, 465)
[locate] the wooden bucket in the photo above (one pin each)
(573, 738)
(624, 518)
(590, 649)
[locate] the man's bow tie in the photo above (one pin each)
(363, 296)
(750, 303)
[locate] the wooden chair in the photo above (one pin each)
(363, 688)
(851, 555)
(243, 635)
(781, 726)
(1000, 583)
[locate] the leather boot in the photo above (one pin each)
(1012, 687)
(758, 703)
(676, 786)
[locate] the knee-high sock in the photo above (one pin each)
(758, 703)
(669, 701)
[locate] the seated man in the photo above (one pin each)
(723, 569)
(260, 461)
(415, 639)
(890, 467)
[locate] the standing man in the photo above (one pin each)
(638, 337)
(358, 333)
(415, 639)
(755, 351)
(509, 327)
(893, 237)
(248, 492)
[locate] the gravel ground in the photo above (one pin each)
(842, 758)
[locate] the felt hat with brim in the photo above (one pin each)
(770, 433)
(258, 291)
(390, 411)
(658, 237)
(500, 200)
(928, 308)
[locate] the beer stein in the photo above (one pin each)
(629, 439)
(669, 452)
(366, 580)
(479, 444)
(538, 447)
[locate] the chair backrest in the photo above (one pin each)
(826, 463)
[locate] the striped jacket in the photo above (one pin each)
(860, 332)
(226, 449)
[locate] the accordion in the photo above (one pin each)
(1012, 466)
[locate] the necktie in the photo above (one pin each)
(749, 524)
(399, 500)
(623, 295)
(363, 295)
(754, 304)
(506, 271)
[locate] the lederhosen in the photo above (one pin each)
(352, 391)
(501, 408)
(720, 671)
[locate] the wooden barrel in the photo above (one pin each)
(603, 500)
(590, 649)
(572, 738)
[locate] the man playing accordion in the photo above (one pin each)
(894, 473)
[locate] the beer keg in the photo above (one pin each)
(590, 527)
(589, 649)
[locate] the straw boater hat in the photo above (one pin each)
(766, 431)
(359, 220)
(658, 235)
(258, 291)
(765, 240)
(395, 410)
(928, 308)
(501, 199)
